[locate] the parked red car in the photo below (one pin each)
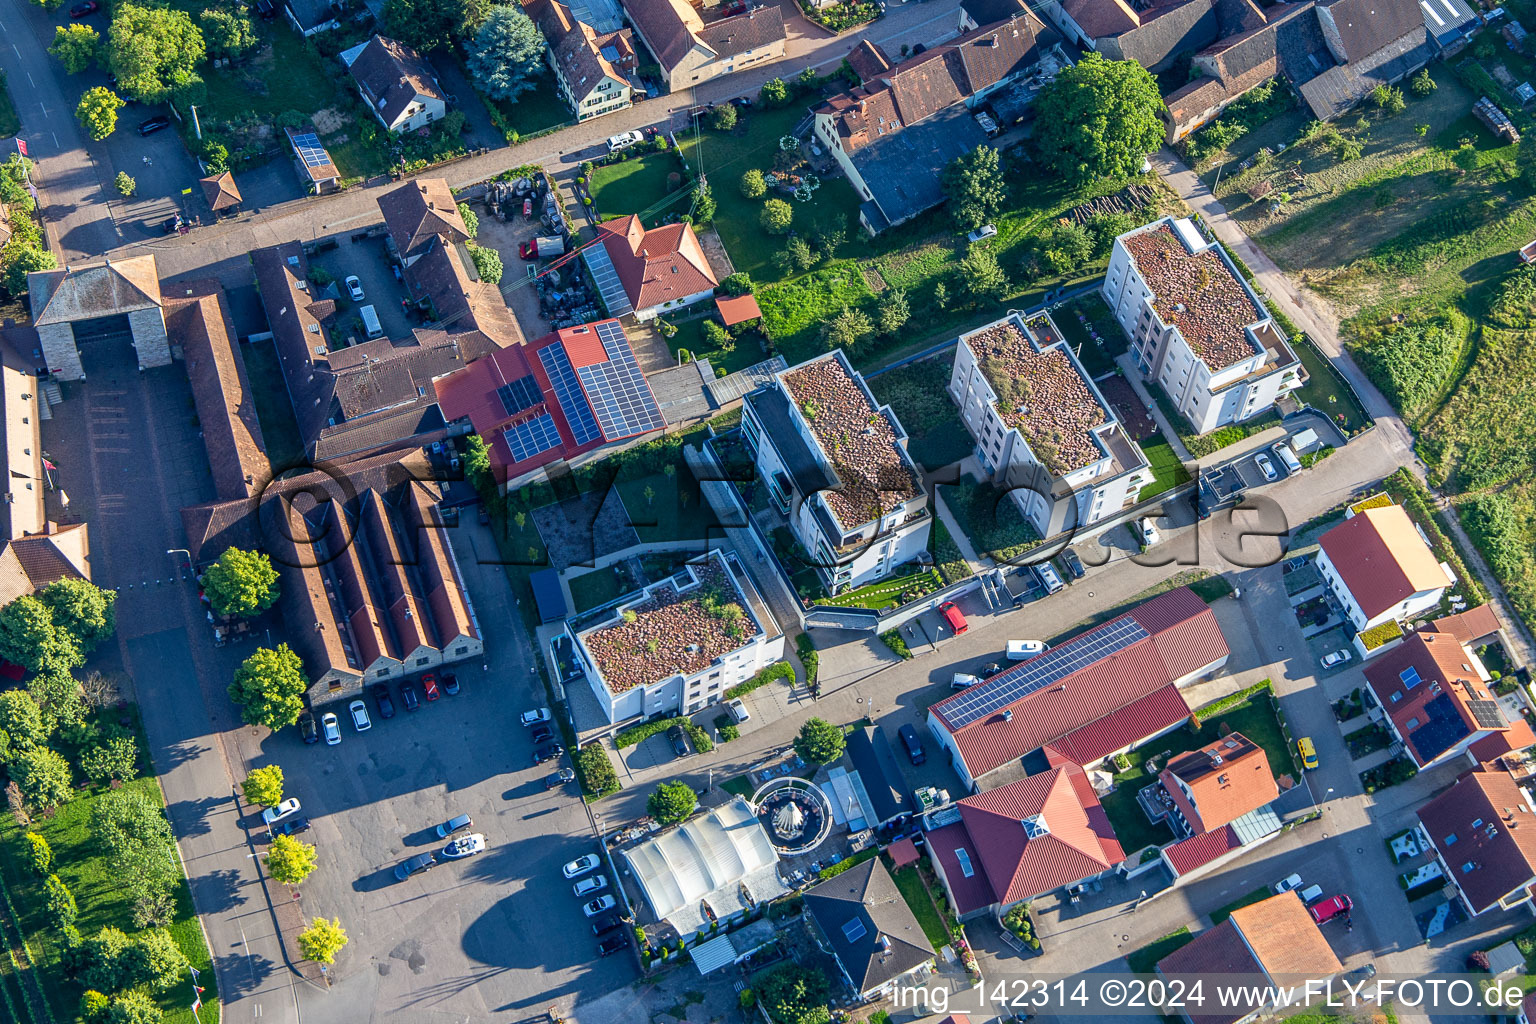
(528, 250)
(953, 617)
(429, 686)
(1331, 908)
(528, 208)
(734, 7)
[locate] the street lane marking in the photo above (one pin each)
(29, 80)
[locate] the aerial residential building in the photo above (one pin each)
(1436, 697)
(310, 17)
(595, 71)
(1009, 845)
(1195, 327)
(869, 929)
(1101, 692)
(396, 83)
(689, 51)
(1268, 946)
(649, 272)
(1042, 429)
(1219, 783)
(835, 463)
(1483, 832)
(679, 644)
(1380, 570)
(552, 400)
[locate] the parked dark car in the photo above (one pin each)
(1074, 564)
(381, 698)
(617, 943)
(606, 924)
(154, 124)
(559, 778)
(408, 697)
(81, 10)
(913, 743)
(307, 727)
(541, 734)
(421, 862)
(454, 824)
(291, 827)
(990, 669)
(679, 741)
(450, 684)
(548, 752)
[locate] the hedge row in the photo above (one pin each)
(778, 670)
(810, 660)
(645, 730)
(1230, 701)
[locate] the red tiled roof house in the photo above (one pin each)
(661, 270)
(1483, 832)
(1219, 783)
(1436, 697)
(1381, 571)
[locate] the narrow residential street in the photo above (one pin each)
(1313, 315)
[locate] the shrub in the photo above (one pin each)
(714, 334)
(93, 1005)
(724, 117)
(595, 771)
(672, 802)
(752, 184)
(738, 283)
(126, 185)
(1413, 359)
(726, 728)
(61, 902)
(41, 854)
(776, 217)
(1388, 99)
(1422, 84)
(487, 263)
(892, 639)
(778, 670)
(810, 659)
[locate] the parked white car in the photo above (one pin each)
(581, 865)
(287, 809)
(985, 231)
(1147, 531)
(331, 728)
(360, 720)
(599, 905)
(588, 886)
(624, 140)
(738, 711)
(1287, 883)
(355, 288)
(1287, 456)
(1266, 466)
(1336, 658)
(963, 679)
(534, 717)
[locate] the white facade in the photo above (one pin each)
(652, 312)
(606, 96)
(1208, 398)
(422, 111)
(685, 694)
(1052, 503)
(1410, 607)
(797, 473)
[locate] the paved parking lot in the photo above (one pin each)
(366, 258)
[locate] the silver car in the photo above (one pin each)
(588, 886)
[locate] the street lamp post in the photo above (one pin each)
(181, 551)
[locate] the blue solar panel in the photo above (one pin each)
(1443, 729)
(521, 394)
(529, 439)
(617, 389)
(558, 365)
(1039, 672)
(310, 150)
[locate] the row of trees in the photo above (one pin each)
(26, 251)
(290, 862)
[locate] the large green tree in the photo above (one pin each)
(21, 722)
(976, 188)
(228, 32)
(117, 758)
(264, 786)
(289, 860)
(102, 961)
(241, 583)
(1098, 119)
(156, 961)
(133, 1007)
(84, 610)
(58, 694)
(152, 50)
(506, 54)
(20, 257)
(819, 742)
(97, 112)
(29, 637)
(322, 940)
(43, 777)
(269, 686)
(672, 802)
(76, 46)
(434, 24)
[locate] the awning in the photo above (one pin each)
(712, 955)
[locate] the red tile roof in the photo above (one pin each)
(1495, 835)
(738, 309)
(658, 265)
(1381, 558)
(1220, 950)
(1470, 625)
(1445, 669)
(1039, 833)
(1198, 851)
(1495, 745)
(1159, 710)
(1285, 939)
(1183, 640)
(1229, 778)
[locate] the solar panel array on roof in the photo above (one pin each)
(521, 394)
(310, 151)
(609, 286)
(1039, 672)
(529, 439)
(1486, 713)
(558, 365)
(1443, 729)
(623, 403)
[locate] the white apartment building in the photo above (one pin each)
(835, 463)
(1042, 429)
(679, 644)
(1195, 326)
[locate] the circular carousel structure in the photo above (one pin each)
(796, 814)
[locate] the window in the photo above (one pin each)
(1413, 723)
(854, 930)
(964, 857)
(1396, 697)
(461, 650)
(1410, 677)
(1466, 868)
(1477, 823)
(422, 661)
(1450, 840)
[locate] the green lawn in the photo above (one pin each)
(1169, 470)
(594, 588)
(739, 785)
(269, 393)
(101, 901)
(1254, 718)
(915, 892)
(1324, 391)
(1258, 895)
(743, 351)
(537, 110)
(1079, 321)
(640, 185)
(887, 593)
(1144, 959)
(915, 392)
(294, 78)
(989, 518)
(10, 122)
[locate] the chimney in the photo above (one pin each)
(1007, 714)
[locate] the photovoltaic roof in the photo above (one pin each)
(607, 280)
(310, 151)
(558, 366)
(1041, 671)
(529, 439)
(521, 394)
(617, 389)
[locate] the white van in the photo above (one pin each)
(1284, 453)
(371, 326)
(1049, 578)
(1019, 650)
